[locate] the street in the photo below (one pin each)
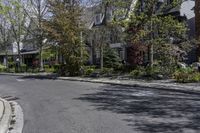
(57, 106)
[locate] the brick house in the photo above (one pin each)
(197, 23)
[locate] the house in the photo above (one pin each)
(197, 23)
(136, 54)
(97, 17)
(27, 53)
(183, 12)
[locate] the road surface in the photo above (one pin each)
(56, 106)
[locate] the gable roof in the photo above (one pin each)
(90, 13)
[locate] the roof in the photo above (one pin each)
(91, 12)
(22, 53)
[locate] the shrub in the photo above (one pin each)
(89, 71)
(50, 70)
(152, 71)
(46, 67)
(11, 64)
(2, 68)
(111, 59)
(57, 67)
(23, 67)
(137, 73)
(186, 75)
(107, 71)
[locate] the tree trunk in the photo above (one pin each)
(151, 45)
(6, 59)
(151, 55)
(57, 56)
(41, 60)
(19, 62)
(101, 58)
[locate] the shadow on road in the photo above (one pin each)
(149, 111)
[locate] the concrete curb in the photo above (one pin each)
(5, 121)
(26, 74)
(161, 86)
(17, 118)
(130, 83)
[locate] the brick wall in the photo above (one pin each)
(197, 18)
(197, 24)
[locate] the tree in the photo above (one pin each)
(64, 27)
(17, 20)
(37, 11)
(5, 36)
(153, 27)
(111, 58)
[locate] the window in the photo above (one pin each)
(98, 19)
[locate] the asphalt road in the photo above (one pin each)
(55, 106)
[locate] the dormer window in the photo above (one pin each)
(98, 19)
(109, 14)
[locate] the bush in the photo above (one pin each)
(107, 71)
(88, 70)
(111, 58)
(11, 64)
(2, 68)
(50, 70)
(57, 67)
(186, 75)
(152, 71)
(23, 67)
(46, 67)
(137, 73)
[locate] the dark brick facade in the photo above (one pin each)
(197, 23)
(197, 18)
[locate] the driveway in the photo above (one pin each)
(56, 106)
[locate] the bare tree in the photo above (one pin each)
(37, 11)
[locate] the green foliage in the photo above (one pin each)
(48, 54)
(64, 28)
(56, 67)
(107, 71)
(111, 58)
(11, 64)
(88, 70)
(186, 75)
(154, 29)
(137, 73)
(2, 68)
(46, 67)
(23, 67)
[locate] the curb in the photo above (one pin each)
(157, 86)
(6, 118)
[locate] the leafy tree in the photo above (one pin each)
(151, 26)
(17, 21)
(5, 35)
(64, 27)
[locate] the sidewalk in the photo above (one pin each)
(5, 115)
(159, 84)
(155, 84)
